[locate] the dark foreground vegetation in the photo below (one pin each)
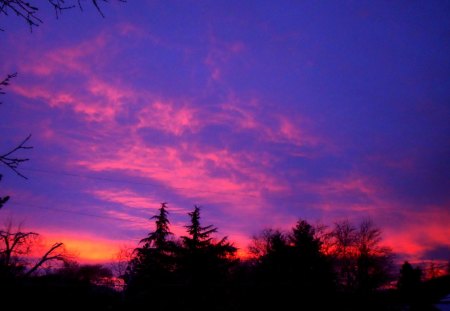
(308, 268)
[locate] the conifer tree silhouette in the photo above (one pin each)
(204, 260)
(154, 261)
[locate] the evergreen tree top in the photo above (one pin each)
(199, 236)
(158, 238)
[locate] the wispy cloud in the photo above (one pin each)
(219, 54)
(131, 199)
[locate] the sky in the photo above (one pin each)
(260, 112)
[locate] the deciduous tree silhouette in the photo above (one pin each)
(15, 246)
(344, 252)
(361, 261)
(374, 260)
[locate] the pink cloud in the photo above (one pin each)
(131, 199)
(286, 129)
(362, 195)
(290, 130)
(93, 107)
(146, 225)
(128, 220)
(99, 100)
(198, 172)
(167, 117)
(71, 59)
(407, 231)
(420, 231)
(193, 171)
(127, 198)
(410, 232)
(351, 184)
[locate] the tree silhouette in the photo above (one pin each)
(199, 237)
(192, 269)
(294, 257)
(202, 259)
(271, 249)
(362, 263)
(87, 273)
(154, 262)
(303, 238)
(374, 261)
(290, 267)
(344, 252)
(204, 265)
(311, 267)
(409, 281)
(15, 246)
(158, 238)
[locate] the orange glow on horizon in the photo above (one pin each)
(86, 248)
(90, 249)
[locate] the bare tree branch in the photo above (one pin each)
(3, 200)
(8, 159)
(6, 81)
(22, 9)
(14, 244)
(11, 161)
(28, 12)
(49, 255)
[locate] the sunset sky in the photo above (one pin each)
(261, 112)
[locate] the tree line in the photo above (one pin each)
(308, 262)
(344, 266)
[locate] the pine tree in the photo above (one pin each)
(311, 268)
(199, 237)
(158, 239)
(203, 259)
(154, 262)
(303, 238)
